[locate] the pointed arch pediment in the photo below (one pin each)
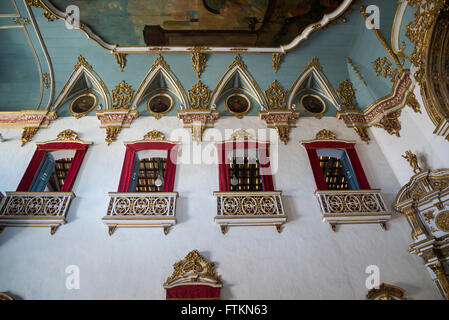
(160, 72)
(239, 74)
(313, 80)
(82, 79)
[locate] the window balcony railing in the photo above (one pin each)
(141, 210)
(353, 207)
(250, 208)
(35, 209)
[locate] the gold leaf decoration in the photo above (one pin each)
(199, 96)
(154, 135)
(325, 135)
(122, 96)
(68, 135)
(193, 268)
(384, 68)
(276, 96)
(346, 92)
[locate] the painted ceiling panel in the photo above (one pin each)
(19, 81)
(254, 23)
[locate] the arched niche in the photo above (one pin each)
(312, 81)
(237, 80)
(82, 80)
(159, 79)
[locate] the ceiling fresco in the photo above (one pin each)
(219, 23)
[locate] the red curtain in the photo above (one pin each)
(127, 170)
(73, 171)
(316, 169)
(223, 173)
(193, 292)
(358, 169)
(31, 170)
(170, 168)
(265, 169)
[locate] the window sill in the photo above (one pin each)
(141, 210)
(35, 209)
(353, 207)
(253, 208)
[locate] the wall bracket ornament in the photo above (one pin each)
(199, 115)
(30, 121)
(114, 121)
(277, 115)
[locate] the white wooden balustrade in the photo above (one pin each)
(35, 209)
(353, 207)
(141, 210)
(254, 208)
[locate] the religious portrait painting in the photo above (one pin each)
(238, 104)
(83, 104)
(160, 104)
(313, 104)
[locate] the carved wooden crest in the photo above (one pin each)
(193, 268)
(199, 96)
(325, 135)
(68, 135)
(346, 92)
(122, 96)
(241, 134)
(154, 135)
(276, 96)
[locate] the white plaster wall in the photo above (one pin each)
(306, 261)
(416, 135)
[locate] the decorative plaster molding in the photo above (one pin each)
(383, 113)
(114, 120)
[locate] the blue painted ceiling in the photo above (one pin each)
(57, 50)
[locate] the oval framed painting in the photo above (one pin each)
(313, 104)
(160, 104)
(238, 105)
(83, 104)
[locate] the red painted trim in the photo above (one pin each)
(170, 169)
(35, 162)
(316, 169)
(31, 170)
(320, 181)
(193, 292)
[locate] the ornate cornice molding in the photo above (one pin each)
(28, 120)
(383, 113)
